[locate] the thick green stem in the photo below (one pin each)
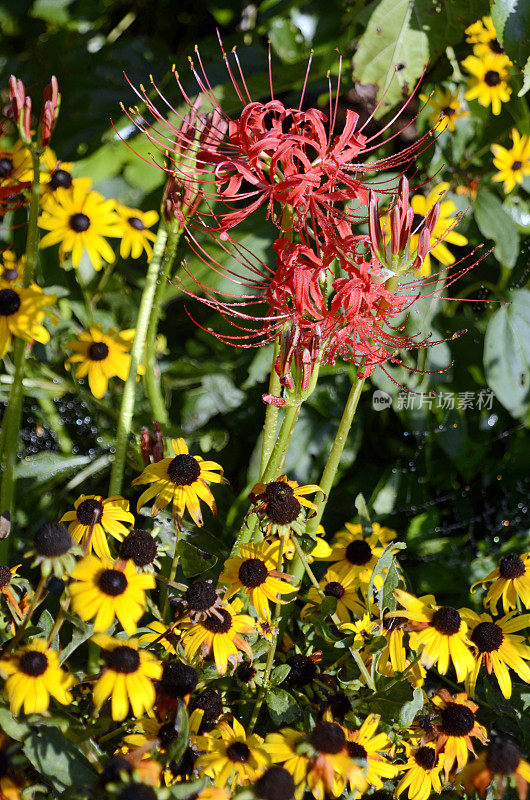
(13, 414)
(355, 653)
(330, 470)
(152, 378)
(271, 414)
(137, 353)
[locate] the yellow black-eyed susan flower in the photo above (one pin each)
(324, 766)
(279, 505)
(394, 655)
(57, 174)
(33, 675)
(106, 590)
(366, 744)
(127, 677)
(489, 82)
(101, 356)
(78, 221)
(16, 165)
(202, 599)
(12, 266)
(255, 572)
(443, 229)
(220, 634)
(454, 729)
(350, 549)
(483, 36)
(511, 580)
(136, 236)
(498, 648)
(230, 757)
(94, 515)
(513, 164)
(422, 773)
(6, 589)
(344, 587)
(446, 107)
(439, 631)
(22, 313)
(502, 760)
(182, 481)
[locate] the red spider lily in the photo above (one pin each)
(20, 109)
(273, 155)
(50, 110)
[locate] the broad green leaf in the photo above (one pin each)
(287, 40)
(279, 674)
(46, 465)
(507, 353)
(178, 746)
(191, 560)
(391, 54)
(496, 224)
(217, 394)
(445, 23)
(12, 727)
(383, 563)
(282, 706)
(58, 760)
(512, 23)
(411, 708)
(181, 790)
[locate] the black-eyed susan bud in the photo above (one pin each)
(328, 737)
(178, 679)
(211, 703)
(54, 549)
(303, 671)
(245, 672)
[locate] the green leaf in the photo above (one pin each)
(282, 706)
(390, 54)
(58, 760)
(287, 39)
(279, 674)
(507, 353)
(191, 560)
(181, 790)
(409, 710)
(512, 23)
(81, 633)
(53, 11)
(496, 224)
(392, 700)
(45, 465)
(178, 746)
(383, 563)
(217, 394)
(11, 726)
(391, 582)
(445, 23)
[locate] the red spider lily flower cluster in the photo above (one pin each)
(333, 292)
(20, 110)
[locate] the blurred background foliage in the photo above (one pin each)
(452, 482)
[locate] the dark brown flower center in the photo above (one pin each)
(137, 791)
(426, 758)
(339, 705)
(278, 490)
(303, 670)
(183, 470)
(136, 223)
(213, 624)
(492, 77)
(139, 546)
(334, 589)
(495, 46)
(515, 166)
(275, 784)
(358, 552)
(5, 576)
(211, 703)
(123, 659)
(112, 582)
(98, 351)
(457, 720)
(9, 302)
(79, 223)
(238, 752)
(448, 111)
(446, 620)
(503, 756)
(33, 663)
(201, 595)
(487, 636)
(328, 737)
(61, 179)
(511, 566)
(10, 274)
(52, 539)
(393, 623)
(253, 573)
(6, 167)
(356, 750)
(245, 672)
(178, 679)
(284, 511)
(166, 734)
(90, 511)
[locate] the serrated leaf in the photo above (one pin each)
(507, 353)
(191, 560)
(494, 223)
(282, 706)
(383, 562)
(390, 53)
